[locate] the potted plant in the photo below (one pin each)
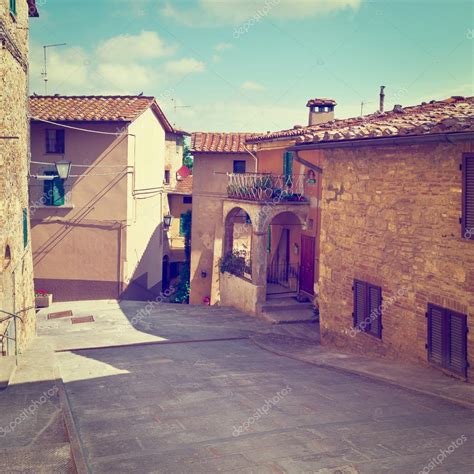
(43, 299)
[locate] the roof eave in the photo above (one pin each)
(32, 9)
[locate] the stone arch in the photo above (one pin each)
(237, 230)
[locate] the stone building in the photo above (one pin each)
(16, 270)
(396, 242)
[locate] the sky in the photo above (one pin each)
(251, 66)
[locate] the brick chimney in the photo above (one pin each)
(320, 110)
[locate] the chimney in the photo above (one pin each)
(381, 98)
(320, 110)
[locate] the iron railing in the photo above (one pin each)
(285, 275)
(265, 187)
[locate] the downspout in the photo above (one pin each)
(253, 156)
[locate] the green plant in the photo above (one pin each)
(182, 290)
(188, 159)
(234, 263)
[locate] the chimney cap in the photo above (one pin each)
(320, 102)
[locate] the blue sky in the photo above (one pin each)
(251, 65)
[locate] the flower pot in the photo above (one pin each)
(43, 301)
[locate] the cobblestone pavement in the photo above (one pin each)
(230, 406)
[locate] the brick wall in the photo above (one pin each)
(16, 277)
(391, 217)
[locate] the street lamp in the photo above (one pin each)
(167, 220)
(63, 168)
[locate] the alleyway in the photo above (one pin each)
(221, 403)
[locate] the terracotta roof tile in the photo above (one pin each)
(185, 186)
(219, 142)
(455, 114)
(94, 108)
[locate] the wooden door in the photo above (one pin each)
(307, 264)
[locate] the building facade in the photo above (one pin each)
(99, 234)
(215, 155)
(16, 269)
(396, 268)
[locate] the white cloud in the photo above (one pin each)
(124, 64)
(222, 46)
(184, 66)
(146, 45)
(232, 12)
(252, 86)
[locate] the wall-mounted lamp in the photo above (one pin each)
(63, 168)
(203, 274)
(167, 220)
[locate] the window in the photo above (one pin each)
(467, 219)
(288, 164)
(53, 190)
(25, 228)
(167, 176)
(13, 7)
(187, 199)
(239, 166)
(367, 315)
(447, 339)
(54, 141)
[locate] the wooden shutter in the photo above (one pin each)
(181, 224)
(456, 357)
(468, 197)
(58, 192)
(288, 164)
(436, 331)
(374, 310)
(25, 228)
(48, 189)
(360, 302)
(13, 7)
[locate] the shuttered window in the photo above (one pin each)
(53, 190)
(54, 141)
(447, 339)
(367, 315)
(288, 164)
(13, 7)
(468, 196)
(25, 228)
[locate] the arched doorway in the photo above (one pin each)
(284, 245)
(238, 241)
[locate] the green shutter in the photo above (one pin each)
(288, 164)
(53, 190)
(13, 7)
(25, 228)
(182, 220)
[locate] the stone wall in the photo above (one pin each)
(391, 217)
(16, 278)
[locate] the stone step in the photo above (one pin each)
(290, 317)
(7, 367)
(274, 296)
(285, 305)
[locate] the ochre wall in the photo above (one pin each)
(390, 216)
(209, 190)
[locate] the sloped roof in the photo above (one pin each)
(455, 114)
(220, 142)
(117, 108)
(185, 186)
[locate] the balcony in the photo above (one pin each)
(267, 187)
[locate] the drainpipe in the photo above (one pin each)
(252, 155)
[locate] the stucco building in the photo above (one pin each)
(16, 270)
(99, 234)
(395, 246)
(215, 155)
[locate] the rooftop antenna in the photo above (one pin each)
(175, 107)
(45, 68)
(362, 107)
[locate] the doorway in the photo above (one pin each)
(307, 264)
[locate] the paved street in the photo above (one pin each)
(230, 406)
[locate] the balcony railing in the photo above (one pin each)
(265, 187)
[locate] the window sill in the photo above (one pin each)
(64, 206)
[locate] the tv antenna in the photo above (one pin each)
(175, 107)
(45, 67)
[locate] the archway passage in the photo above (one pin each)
(283, 247)
(238, 241)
